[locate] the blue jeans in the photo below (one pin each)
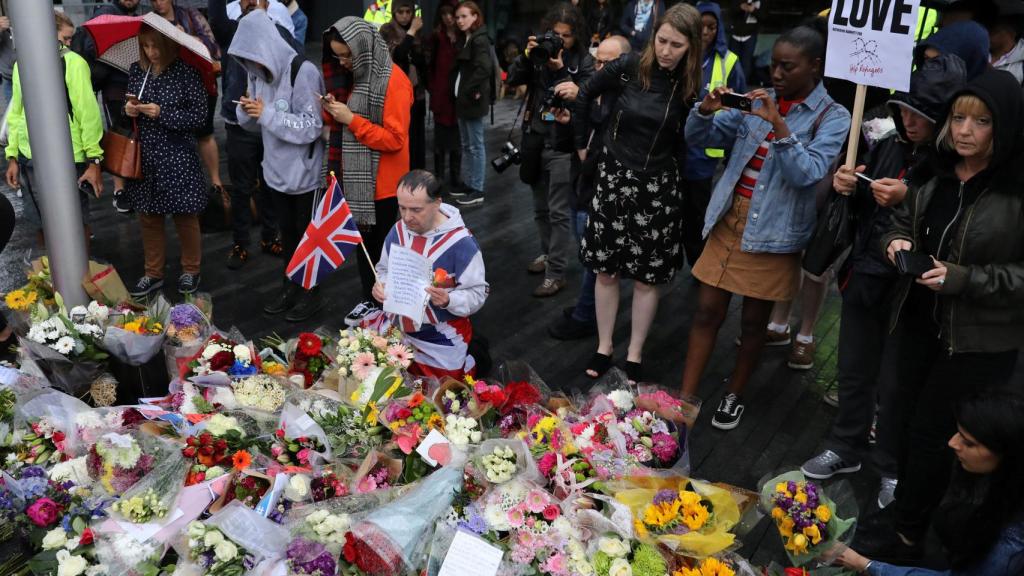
(585, 310)
(474, 159)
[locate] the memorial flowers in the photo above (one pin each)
(301, 451)
(215, 553)
(618, 557)
(361, 352)
(804, 516)
(262, 392)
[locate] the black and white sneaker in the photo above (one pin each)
(145, 285)
(188, 283)
(729, 412)
(828, 464)
(471, 198)
(361, 311)
(121, 202)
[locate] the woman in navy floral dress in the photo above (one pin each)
(171, 105)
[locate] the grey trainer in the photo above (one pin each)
(826, 465)
(886, 492)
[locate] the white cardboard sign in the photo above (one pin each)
(871, 42)
(409, 276)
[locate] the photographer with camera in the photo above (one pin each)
(558, 56)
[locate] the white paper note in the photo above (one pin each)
(143, 532)
(432, 439)
(470, 556)
(409, 275)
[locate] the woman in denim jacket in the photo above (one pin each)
(762, 212)
(981, 519)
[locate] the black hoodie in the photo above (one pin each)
(976, 228)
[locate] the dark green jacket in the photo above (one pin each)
(474, 73)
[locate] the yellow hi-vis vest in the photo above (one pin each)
(927, 22)
(379, 13)
(720, 71)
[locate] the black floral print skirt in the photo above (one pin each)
(635, 225)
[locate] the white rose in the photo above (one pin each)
(212, 538)
(241, 353)
(298, 488)
(97, 570)
(196, 529)
(73, 543)
(622, 399)
(69, 564)
(316, 517)
(226, 551)
(212, 351)
(54, 539)
(620, 567)
(613, 547)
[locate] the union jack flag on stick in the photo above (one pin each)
(330, 238)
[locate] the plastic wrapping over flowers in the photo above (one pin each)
(806, 517)
(321, 456)
(136, 336)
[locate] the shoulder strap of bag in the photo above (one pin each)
(820, 119)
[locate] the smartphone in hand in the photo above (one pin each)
(737, 101)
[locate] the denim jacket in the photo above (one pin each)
(1006, 558)
(782, 211)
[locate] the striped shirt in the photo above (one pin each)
(748, 178)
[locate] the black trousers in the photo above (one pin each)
(866, 372)
(245, 153)
(930, 383)
(6, 231)
(294, 211)
(418, 135)
(696, 196)
(373, 238)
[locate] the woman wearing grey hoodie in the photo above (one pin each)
(282, 103)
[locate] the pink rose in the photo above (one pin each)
(303, 456)
(44, 512)
(276, 450)
(551, 512)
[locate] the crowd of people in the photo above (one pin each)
(640, 159)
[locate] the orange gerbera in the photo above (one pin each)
(416, 399)
(241, 460)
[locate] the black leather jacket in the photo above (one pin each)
(645, 130)
(578, 68)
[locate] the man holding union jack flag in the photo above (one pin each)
(436, 231)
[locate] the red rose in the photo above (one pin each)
(189, 452)
(279, 433)
(309, 344)
(44, 512)
(58, 436)
(206, 450)
(221, 444)
(221, 361)
(205, 438)
(192, 441)
(86, 538)
(404, 414)
(349, 550)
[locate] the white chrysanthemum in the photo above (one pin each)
(621, 399)
(75, 470)
(212, 350)
(64, 345)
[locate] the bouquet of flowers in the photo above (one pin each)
(707, 567)
(155, 494)
(121, 553)
(378, 471)
(301, 451)
(117, 461)
(68, 552)
(350, 432)
(42, 445)
(363, 354)
(67, 353)
(215, 553)
(261, 392)
(224, 355)
(188, 327)
(310, 558)
(327, 485)
(805, 517)
(247, 487)
(616, 556)
(310, 358)
(221, 445)
(134, 337)
(690, 517)
(650, 440)
(32, 501)
(410, 419)
(326, 527)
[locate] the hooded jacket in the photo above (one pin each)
(967, 39)
(980, 306)
(290, 123)
(897, 157)
(698, 165)
(233, 76)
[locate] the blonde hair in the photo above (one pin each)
(969, 105)
(168, 48)
(686, 20)
(62, 20)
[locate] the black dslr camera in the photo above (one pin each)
(548, 46)
(509, 156)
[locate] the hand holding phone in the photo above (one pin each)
(913, 263)
(867, 179)
(737, 101)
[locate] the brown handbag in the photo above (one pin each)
(122, 154)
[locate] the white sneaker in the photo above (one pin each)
(361, 311)
(886, 492)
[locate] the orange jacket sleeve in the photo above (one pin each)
(392, 136)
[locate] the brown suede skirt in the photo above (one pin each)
(774, 277)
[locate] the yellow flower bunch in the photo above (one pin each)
(274, 368)
(20, 300)
(707, 567)
(140, 324)
(663, 516)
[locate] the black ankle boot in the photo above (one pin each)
(285, 299)
(310, 302)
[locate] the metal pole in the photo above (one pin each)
(46, 113)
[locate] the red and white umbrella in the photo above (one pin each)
(117, 43)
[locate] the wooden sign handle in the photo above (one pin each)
(857, 118)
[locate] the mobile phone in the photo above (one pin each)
(867, 179)
(913, 263)
(131, 97)
(737, 101)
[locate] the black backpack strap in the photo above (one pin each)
(64, 79)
